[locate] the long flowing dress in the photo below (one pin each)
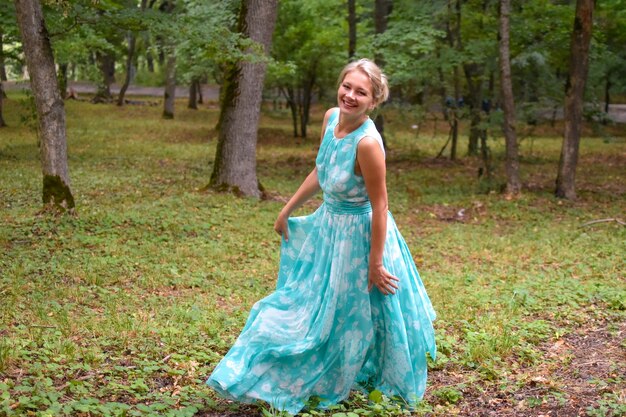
(322, 333)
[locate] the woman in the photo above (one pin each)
(349, 310)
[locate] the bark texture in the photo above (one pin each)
(574, 92)
(170, 86)
(235, 159)
(50, 108)
(513, 184)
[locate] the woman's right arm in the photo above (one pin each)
(309, 187)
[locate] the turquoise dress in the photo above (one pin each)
(322, 333)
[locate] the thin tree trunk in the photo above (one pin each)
(235, 158)
(454, 39)
(130, 59)
(307, 97)
(291, 102)
(485, 153)
(607, 93)
(2, 123)
(132, 41)
(49, 104)
(382, 10)
(351, 29)
(575, 89)
(200, 96)
(106, 63)
(168, 54)
(170, 86)
(149, 60)
(3, 70)
(62, 76)
(193, 95)
(513, 184)
(455, 114)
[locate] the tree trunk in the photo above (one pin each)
(106, 63)
(200, 96)
(307, 97)
(575, 89)
(474, 100)
(382, 10)
(170, 86)
(288, 93)
(351, 29)
(149, 61)
(455, 114)
(3, 70)
(235, 158)
(132, 41)
(513, 184)
(49, 104)
(193, 95)
(2, 123)
(607, 93)
(62, 76)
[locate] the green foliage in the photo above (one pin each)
(125, 307)
(307, 48)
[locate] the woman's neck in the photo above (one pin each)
(346, 125)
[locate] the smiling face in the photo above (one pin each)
(355, 96)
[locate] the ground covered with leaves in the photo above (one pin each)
(125, 307)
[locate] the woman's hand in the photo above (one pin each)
(280, 226)
(382, 279)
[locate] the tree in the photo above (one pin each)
(49, 104)
(235, 157)
(306, 56)
(575, 88)
(513, 185)
(382, 10)
(2, 123)
(132, 43)
(351, 29)
(169, 48)
(3, 70)
(169, 94)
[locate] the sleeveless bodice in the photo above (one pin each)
(344, 190)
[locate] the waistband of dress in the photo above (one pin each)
(348, 207)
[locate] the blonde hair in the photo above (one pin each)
(380, 89)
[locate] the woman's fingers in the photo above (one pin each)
(282, 229)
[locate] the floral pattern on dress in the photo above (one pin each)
(322, 333)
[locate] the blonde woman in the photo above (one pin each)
(350, 310)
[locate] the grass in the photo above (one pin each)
(125, 308)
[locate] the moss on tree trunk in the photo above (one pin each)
(57, 193)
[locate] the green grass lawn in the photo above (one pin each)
(124, 308)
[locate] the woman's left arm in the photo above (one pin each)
(371, 164)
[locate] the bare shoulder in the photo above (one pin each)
(370, 146)
(328, 113)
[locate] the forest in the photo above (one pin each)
(147, 146)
